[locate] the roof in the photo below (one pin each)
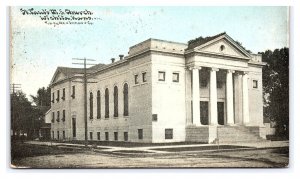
(202, 40)
(97, 67)
(70, 71)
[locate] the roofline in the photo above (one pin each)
(154, 39)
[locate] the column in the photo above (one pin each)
(196, 97)
(229, 97)
(245, 99)
(213, 97)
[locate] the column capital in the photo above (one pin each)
(194, 67)
(214, 69)
(245, 72)
(230, 71)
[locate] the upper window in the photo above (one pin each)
(136, 79)
(175, 77)
(106, 103)
(57, 119)
(53, 117)
(144, 77)
(57, 99)
(52, 97)
(116, 110)
(91, 106)
(98, 105)
(64, 94)
(125, 95)
(73, 92)
(64, 116)
(255, 84)
(161, 76)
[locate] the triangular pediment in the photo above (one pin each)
(58, 76)
(223, 45)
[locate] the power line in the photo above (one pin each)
(85, 93)
(14, 87)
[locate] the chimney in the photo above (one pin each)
(121, 57)
(112, 60)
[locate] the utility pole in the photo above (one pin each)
(14, 87)
(85, 95)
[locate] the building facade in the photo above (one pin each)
(207, 90)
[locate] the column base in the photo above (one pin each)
(231, 124)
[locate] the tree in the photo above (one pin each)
(276, 89)
(42, 105)
(43, 97)
(21, 113)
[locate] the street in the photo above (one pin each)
(35, 155)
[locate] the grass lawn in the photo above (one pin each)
(21, 150)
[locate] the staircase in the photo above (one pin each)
(238, 134)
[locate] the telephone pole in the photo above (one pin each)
(85, 95)
(14, 87)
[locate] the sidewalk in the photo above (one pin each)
(155, 149)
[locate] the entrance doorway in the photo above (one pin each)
(221, 113)
(204, 112)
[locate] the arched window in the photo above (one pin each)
(91, 105)
(106, 103)
(125, 94)
(116, 110)
(98, 105)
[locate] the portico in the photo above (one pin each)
(213, 96)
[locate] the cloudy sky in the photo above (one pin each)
(39, 48)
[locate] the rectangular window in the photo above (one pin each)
(57, 99)
(98, 135)
(53, 117)
(64, 94)
(161, 76)
(57, 135)
(168, 133)
(106, 136)
(64, 135)
(175, 77)
(52, 134)
(57, 117)
(73, 92)
(91, 135)
(125, 136)
(154, 117)
(255, 84)
(116, 136)
(136, 79)
(52, 97)
(144, 77)
(140, 133)
(64, 116)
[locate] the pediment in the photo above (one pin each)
(58, 76)
(222, 45)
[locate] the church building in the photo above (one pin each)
(207, 90)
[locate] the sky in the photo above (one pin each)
(37, 48)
